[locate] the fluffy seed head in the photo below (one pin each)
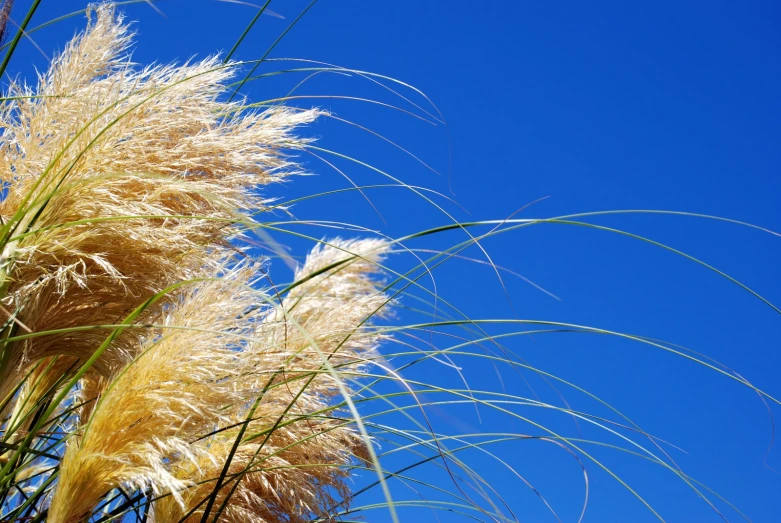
(292, 459)
(120, 182)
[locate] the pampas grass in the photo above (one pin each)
(126, 189)
(152, 368)
(156, 143)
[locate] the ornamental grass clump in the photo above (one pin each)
(137, 334)
(154, 368)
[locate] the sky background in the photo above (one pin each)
(589, 107)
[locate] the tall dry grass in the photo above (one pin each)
(151, 367)
(132, 311)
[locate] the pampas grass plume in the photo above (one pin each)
(127, 190)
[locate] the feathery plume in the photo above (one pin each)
(179, 386)
(121, 182)
(291, 462)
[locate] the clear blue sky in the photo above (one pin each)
(594, 106)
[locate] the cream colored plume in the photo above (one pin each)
(186, 378)
(123, 182)
(101, 141)
(288, 473)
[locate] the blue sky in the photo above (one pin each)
(563, 107)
